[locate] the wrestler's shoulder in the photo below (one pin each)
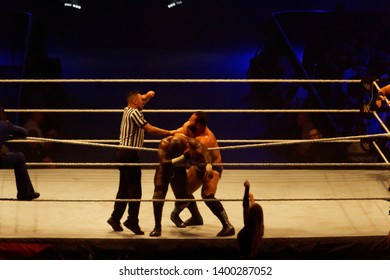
(208, 140)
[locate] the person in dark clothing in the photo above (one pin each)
(15, 160)
(251, 235)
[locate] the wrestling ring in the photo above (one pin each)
(311, 210)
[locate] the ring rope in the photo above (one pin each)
(231, 147)
(387, 198)
(290, 142)
(279, 143)
(381, 122)
(158, 141)
(376, 85)
(228, 164)
(185, 110)
(88, 164)
(380, 152)
(178, 81)
(63, 141)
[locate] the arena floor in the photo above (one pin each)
(299, 205)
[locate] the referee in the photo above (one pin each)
(132, 130)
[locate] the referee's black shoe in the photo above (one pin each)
(28, 197)
(133, 227)
(156, 232)
(116, 226)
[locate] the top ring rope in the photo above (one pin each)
(186, 110)
(177, 81)
(158, 141)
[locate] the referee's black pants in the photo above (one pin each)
(129, 186)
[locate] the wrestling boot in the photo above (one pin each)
(227, 229)
(196, 219)
(175, 218)
(218, 210)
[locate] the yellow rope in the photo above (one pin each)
(387, 198)
(279, 143)
(225, 164)
(185, 110)
(84, 143)
(178, 81)
(158, 141)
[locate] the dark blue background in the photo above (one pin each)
(145, 39)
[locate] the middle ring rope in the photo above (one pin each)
(279, 143)
(231, 164)
(158, 141)
(94, 144)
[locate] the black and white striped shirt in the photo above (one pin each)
(131, 130)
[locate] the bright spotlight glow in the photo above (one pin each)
(72, 4)
(174, 3)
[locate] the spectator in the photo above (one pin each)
(250, 237)
(15, 160)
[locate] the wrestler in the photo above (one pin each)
(382, 100)
(385, 90)
(196, 127)
(173, 154)
(379, 100)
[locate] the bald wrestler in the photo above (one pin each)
(173, 154)
(196, 127)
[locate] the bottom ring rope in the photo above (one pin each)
(387, 198)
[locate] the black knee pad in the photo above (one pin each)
(214, 205)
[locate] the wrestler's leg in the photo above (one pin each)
(192, 184)
(161, 182)
(209, 186)
(178, 184)
(193, 180)
(209, 189)
(196, 218)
